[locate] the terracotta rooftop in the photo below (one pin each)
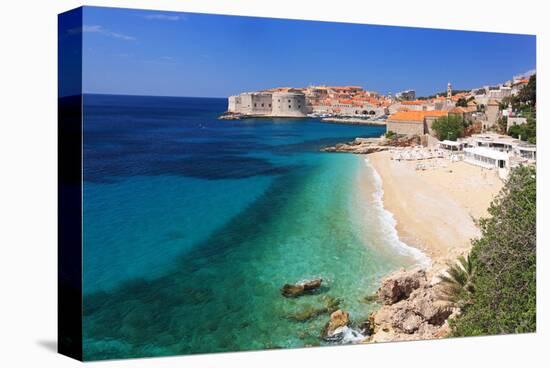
(462, 110)
(416, 116)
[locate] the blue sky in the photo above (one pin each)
(184, 54)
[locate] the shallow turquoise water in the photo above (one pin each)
(190, 259)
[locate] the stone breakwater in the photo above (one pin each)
(371, 145)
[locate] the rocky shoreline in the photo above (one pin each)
(371, 145)
(411, 305)
(412, 308)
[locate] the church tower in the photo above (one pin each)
(449, 91)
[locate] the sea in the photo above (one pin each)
(191, 226)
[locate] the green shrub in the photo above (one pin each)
(504, 260)
(526, 132)
(448, 127)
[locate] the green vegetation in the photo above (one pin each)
(526, 132)
(503, 264)
(524, 104)
(457, 282)
(528, 94)
(444, 93)
(449, 127)
(502, 124)
(390, 135)
(463, 102)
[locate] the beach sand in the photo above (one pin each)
(436, 209)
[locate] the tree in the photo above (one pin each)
(462, 102)
(456, 285)
(449, 127)
(526, 132)
(502, 123)
(504, 259)
(509, 100)
(528, 94)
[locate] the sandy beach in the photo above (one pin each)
(436, 209)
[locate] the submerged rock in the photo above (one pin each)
(295, 290)
(330, 305)
(373, 298)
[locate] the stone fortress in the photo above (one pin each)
(287, 102)
(402, 114)
(313, 100)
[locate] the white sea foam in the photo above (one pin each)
(346, 335)
(389, 222)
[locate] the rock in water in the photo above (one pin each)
(337, 320)
(330, 304)
(292, 291)
(295, 290)
(312, 284)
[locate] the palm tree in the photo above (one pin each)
(457, 286)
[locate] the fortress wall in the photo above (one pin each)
(261, 103)
(289, 104)
(233, 103)
(246, 103)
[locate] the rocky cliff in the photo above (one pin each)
(411, 310)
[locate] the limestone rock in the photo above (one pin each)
(411, 322)
(400, 285)
(295, 290)
(337, 320)
(411, 309)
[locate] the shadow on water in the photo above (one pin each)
(203, 304)
(223, 295)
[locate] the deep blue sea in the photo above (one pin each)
(193, 224)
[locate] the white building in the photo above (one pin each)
(452, 145)
(526, 151)
(407, 95)
(489, 159)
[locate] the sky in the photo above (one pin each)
(142, 52)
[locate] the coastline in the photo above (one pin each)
(434, 212)
(353, 121)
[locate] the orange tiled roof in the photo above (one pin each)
(345, 87)
(462, 110)
(416, 116)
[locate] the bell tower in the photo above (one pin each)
(449, 91)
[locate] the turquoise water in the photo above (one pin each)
(192, 225)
